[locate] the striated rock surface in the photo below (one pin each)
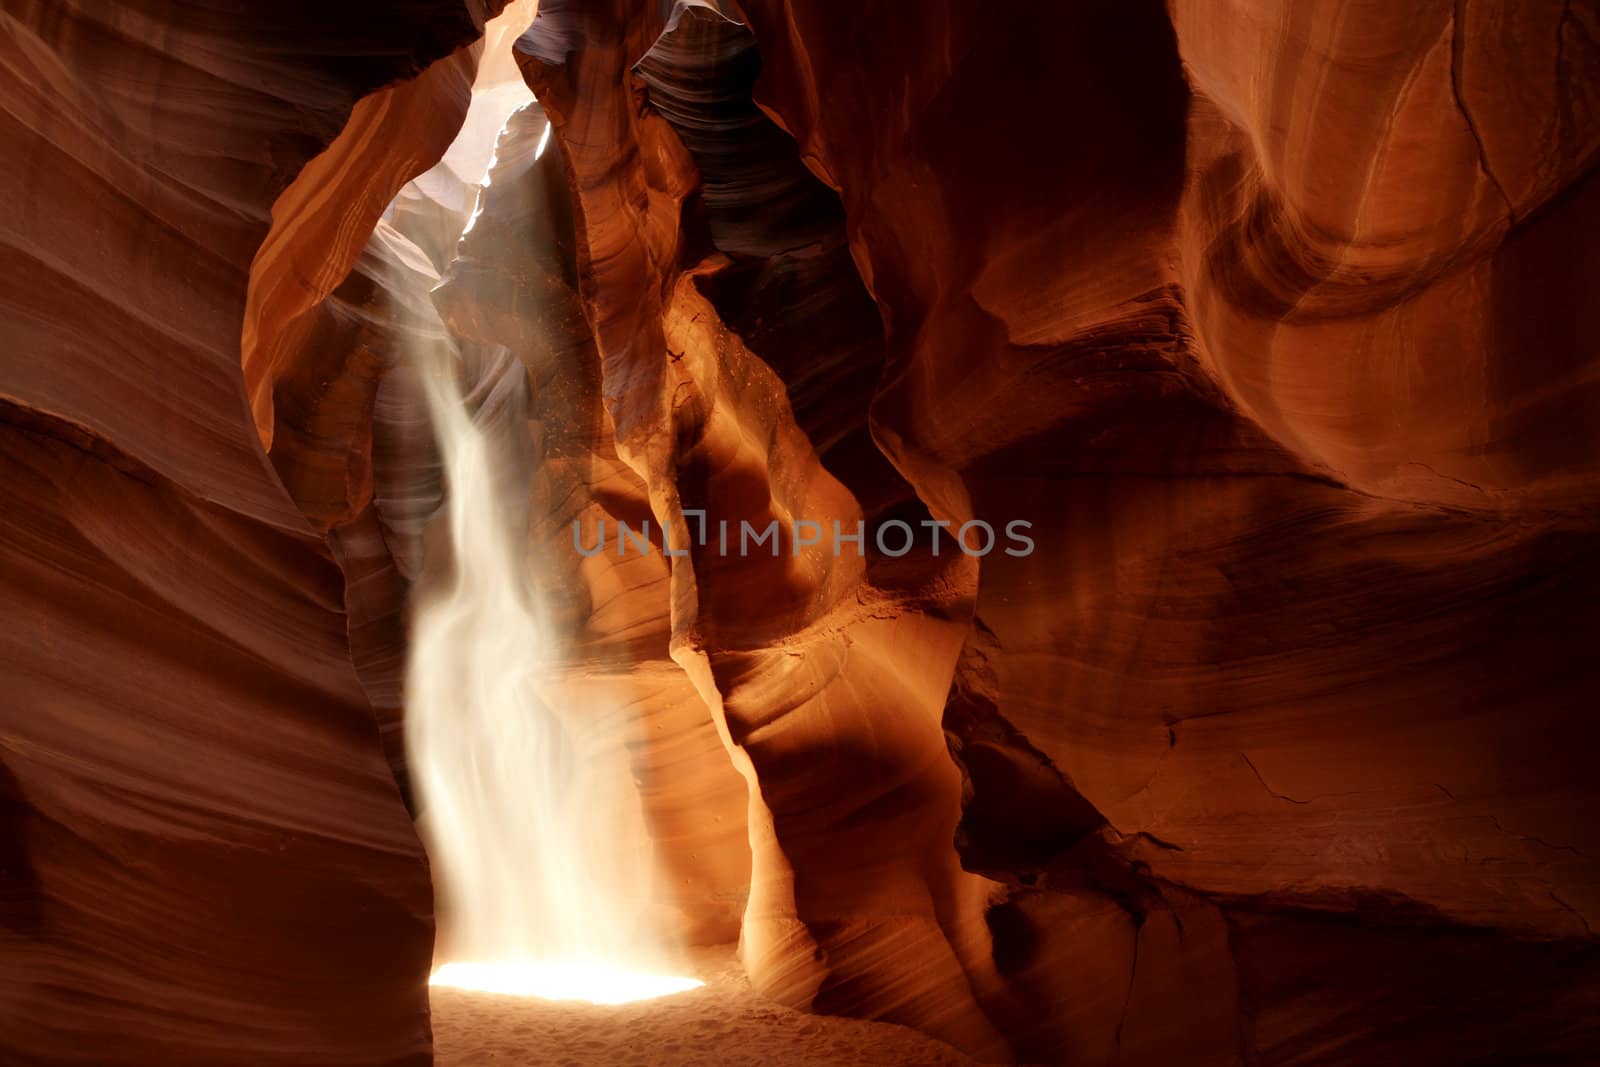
(807, 659)
(203, 855)
(1267, 319)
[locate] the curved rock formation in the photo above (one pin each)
(1298, 648)
(205, 857)
(832, 656)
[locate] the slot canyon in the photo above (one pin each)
(775, 532)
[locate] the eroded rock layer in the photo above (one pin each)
(205, 858)
(1268, 321)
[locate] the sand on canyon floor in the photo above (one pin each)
(724, 1022)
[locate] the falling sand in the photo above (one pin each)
(544, 869)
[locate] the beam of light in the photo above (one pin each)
(529, 808)
(530, 812)
(593, 983)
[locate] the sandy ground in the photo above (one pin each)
(723, 1023)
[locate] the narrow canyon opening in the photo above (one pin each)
(547, 784)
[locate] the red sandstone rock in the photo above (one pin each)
(205, 856)
(1309, 560)
(1271, 318)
